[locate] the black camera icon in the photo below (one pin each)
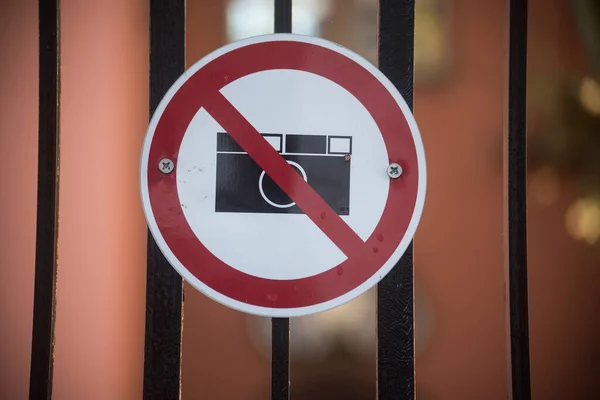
(323, 161)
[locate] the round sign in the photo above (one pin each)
(283, 175)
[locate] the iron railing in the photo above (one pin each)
(164, 298)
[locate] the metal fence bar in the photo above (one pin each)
(283, 16)
(162, 362)
(517, 200)
(395, 343)
(280, 359)
(44, 300)
(280, 327)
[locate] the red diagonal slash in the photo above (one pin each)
(284, 175)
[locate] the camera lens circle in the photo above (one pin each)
(262, 189)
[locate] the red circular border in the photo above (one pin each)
(328, 285)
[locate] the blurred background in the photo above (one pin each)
(460, 106)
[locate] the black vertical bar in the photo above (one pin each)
(280, 327)
(283, 16)
(280, 359)
(395, 343)
(44, 301)
(162, 362)
(517, 200)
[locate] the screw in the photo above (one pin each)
(394, 170)
(166, 166)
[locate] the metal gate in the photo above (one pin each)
(395, 356)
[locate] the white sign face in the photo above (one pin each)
(272, 244)
(266, 175)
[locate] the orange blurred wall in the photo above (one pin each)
(18, 142)
(102, 236)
